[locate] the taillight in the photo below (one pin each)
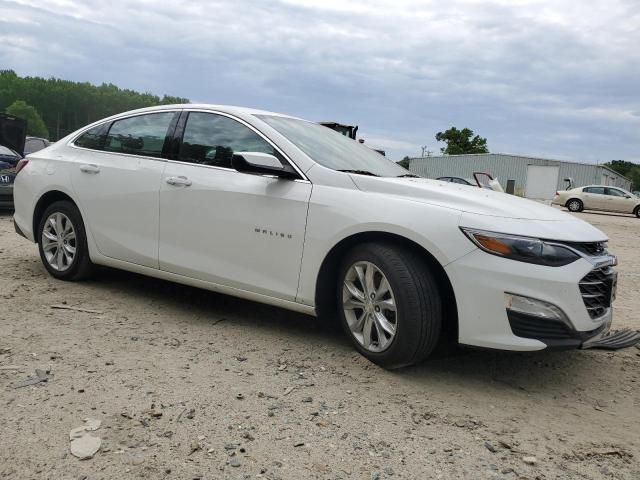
(21, 164)
(557, 194)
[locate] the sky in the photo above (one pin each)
(548, 78)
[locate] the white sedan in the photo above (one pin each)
(598, 197)
(287, 212)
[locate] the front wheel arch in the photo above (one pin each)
(325, 296)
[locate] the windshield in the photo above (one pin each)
(332, 149)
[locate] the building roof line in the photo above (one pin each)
(524, 156)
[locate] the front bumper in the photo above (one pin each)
(555, 334)
(6, 197)
(480, 281)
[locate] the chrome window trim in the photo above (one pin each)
(71, 143)
(225, 169)
(132, 155)
(255, 130)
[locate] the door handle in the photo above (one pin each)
(89, 168)
(179, 181)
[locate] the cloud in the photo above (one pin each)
(536, 76)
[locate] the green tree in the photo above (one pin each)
(621, 166)
(35, 125)
(634, 176)
(461, 141)
(66, 106)
(404, 163)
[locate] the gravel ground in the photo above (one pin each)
(190, 384)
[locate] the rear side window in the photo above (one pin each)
(211, 139)
(140, 135)
(93, 138)
(597, 190)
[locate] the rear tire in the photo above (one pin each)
(398, 336)
(575, 205)
(62, 242)
(637, 211)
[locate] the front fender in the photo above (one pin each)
(336, 214)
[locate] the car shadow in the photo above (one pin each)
(606, 214)
(527, 372)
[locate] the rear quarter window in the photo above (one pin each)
(93, 138)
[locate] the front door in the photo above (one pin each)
(118, 185)
(619, 201)
(230, 228)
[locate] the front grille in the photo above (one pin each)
(595, 288)
(593, 249)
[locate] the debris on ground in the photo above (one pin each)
(75, 309)
(41, 376)
(83, 444)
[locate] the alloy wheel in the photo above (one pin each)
(59, 241)
(369, 306)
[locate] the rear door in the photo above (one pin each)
(219, 225)
(116, 176)
(594, 198)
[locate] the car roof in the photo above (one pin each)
(231, 109)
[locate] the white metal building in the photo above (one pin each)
(534, 177)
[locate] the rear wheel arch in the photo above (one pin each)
(43, 202)
(325, 294)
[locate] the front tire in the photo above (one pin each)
(637, 211)
(389, 304)
(575, 205)
(62, 242)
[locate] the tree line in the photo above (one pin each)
(64, 105)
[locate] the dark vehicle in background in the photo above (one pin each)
(458, 180)
(8, 162)
(480, 179)
(35, 144)
(13, 134)
(348, 131)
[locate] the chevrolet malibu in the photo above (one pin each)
(283, 211)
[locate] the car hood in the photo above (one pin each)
(486, 209)
(465, 198)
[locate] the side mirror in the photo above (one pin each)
(262, 164)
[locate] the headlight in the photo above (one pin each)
(522, 249)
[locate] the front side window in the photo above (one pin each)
(614, 192)
(211, 139)
(93, 138)
(596, 190)
(140, 135)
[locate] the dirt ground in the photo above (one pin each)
(190, 384)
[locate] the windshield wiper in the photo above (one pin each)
(411, 175)
(360, 172)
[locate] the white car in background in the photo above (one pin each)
(598, 197)
(287, 212)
